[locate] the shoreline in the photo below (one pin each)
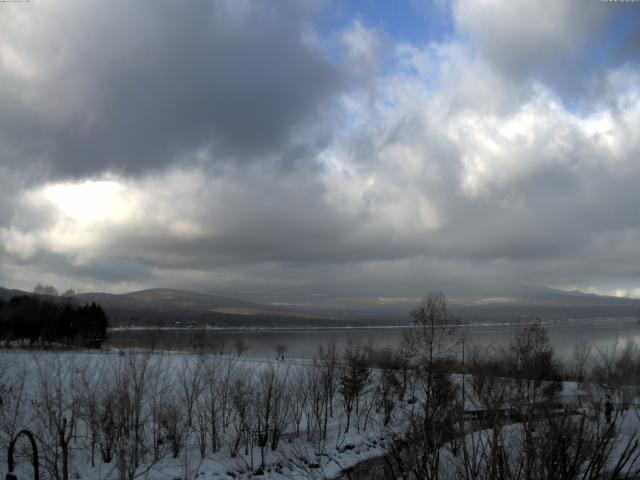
(549, 322)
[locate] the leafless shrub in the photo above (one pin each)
(240, 347)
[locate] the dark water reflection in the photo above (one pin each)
(305, 342)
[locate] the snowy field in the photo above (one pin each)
(128, 414)
(195, 416)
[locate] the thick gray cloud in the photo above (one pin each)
(126, 87)
(562, 43)
(216, 147)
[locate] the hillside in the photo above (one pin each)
(171, 307)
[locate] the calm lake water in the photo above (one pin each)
(600, 333)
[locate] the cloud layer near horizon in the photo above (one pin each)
(261, 149)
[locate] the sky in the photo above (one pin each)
(288, 151)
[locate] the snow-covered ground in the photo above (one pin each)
(78, 381)
(94, 400)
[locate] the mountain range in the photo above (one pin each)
(175, 308)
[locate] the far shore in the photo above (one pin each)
(497, 323)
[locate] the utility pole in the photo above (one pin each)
(463, 375)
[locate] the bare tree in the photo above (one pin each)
(531, 364)
(299, 396)
(581, 362)
(431, 337)
(391, 380)
(109, 427)
(203, 422)
(190, 384)
(490, 396)
(57, 408)
(322, 382)
(354, 377)
(92, 383)
(432, 415)
(315, 406)
(129, 395)
(46, 290)
(242, 402)
(530, 361)
(270, 409)
(171, 425)
(13, 394)
(159, 386)
(328, 360)
(225, 386)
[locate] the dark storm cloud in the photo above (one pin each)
(128, 87)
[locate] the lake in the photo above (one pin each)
(600, 333)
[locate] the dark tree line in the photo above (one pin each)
(47, 321)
